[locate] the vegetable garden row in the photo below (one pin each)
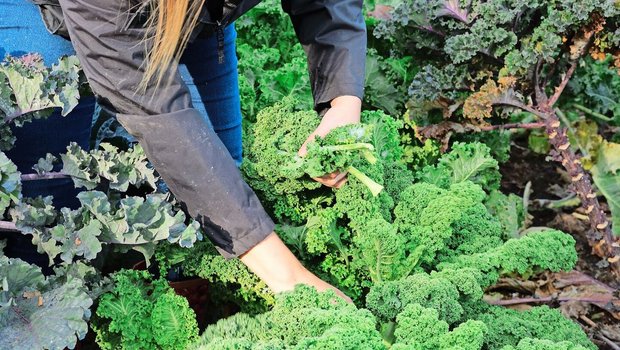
(425, 237)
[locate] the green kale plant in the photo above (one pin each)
(483, 61)
(140, 313)
(302, 319)
(443, 310)
(354, 239)
(272, 63)
(30, 90)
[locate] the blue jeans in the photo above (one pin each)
(215, 87)
(22, 31)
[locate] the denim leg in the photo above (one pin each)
(218, 86)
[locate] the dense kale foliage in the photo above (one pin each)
(415, 236)
(418, 256)
(140, 313)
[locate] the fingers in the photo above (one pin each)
(334, 180)
(341, 183)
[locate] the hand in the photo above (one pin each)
(345, 110)
(275, 264)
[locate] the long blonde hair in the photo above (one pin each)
(169, 28)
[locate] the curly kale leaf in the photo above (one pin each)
(383, 252)
(233, 280)
(465, 162)
(276, 137)
(421, 328)
(174, 322)
(595, 85)
(384, 136)
(140, 313)
(340, 150)
(267, 75)
(446, 222)
(388, 299)
(302, 319)
(511, 327)
(543, 344)
(543, 250)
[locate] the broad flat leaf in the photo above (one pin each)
(96, 202)
(10, 183)
(83, 242)
(185, 235)
(27, 90)
(470, 162)
(7, 106)
(46, 246)
(607, 179)
(508, 209)
(83, 169)
(147, 250)
(380, 91)
(16, 276)
(45, 165)
(452, 8)
(53, 320)
(31, 214)
(32, 87)
(120, 168)
(585, 135)
(609, 157)
(538, 142)
(68, 71)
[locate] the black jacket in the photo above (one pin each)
(176, 138)
(333, 34)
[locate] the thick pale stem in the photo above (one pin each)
(350, 147)
(46, 176)
(365, 148)
(374, 187)
(8, 226)
(592, 113)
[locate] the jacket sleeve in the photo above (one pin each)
(333, 34)
(184, 150)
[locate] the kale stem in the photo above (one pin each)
(365, 148)
(350, 147)
(387, 331)
(374, 187)
(592, 113)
